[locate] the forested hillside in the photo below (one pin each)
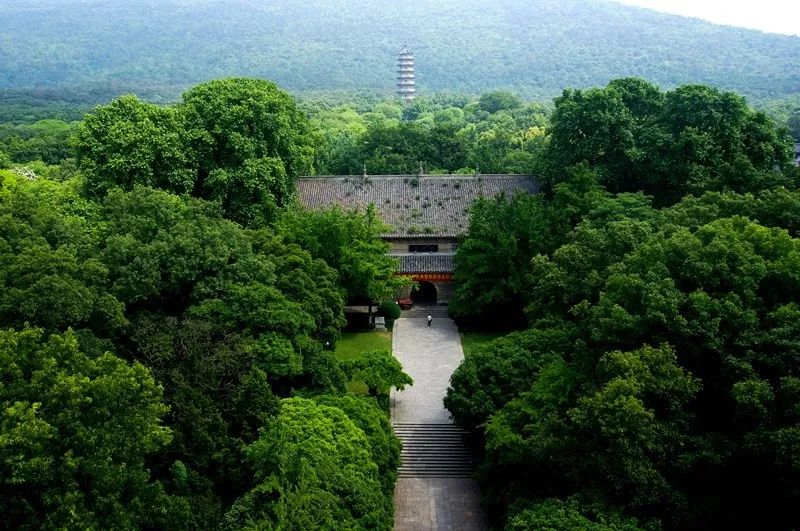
(536, 47)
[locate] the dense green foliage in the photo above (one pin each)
(656, 375)
(630, 137)
(496, 133)
(554, 515)
(226, 320)
(129, 142)
(379, 370)
(154, 350)
(315, 470)
(537, 47)
(19, 107)
(240, 142)
(164, 305)
(390, 310)
(350, 243)
(71, 420)
(44, 140)
(785, 111)
(685, 141)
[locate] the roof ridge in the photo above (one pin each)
(417, 176)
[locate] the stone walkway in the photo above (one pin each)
(430, 355)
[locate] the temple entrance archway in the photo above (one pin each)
(424, 293)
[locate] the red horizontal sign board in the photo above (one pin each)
(430, 277)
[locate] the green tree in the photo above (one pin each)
(374, 422)
(350, 243)
(251, 142)
(130, 142)
(688, 140)
(794, 124)
(554, 515)
(379, 370)
(50, 273)
(45, 140)
(239, 142)
(315, 470)
(220, 395)
(158, 245)
(498, 371)
(342, 129)
(504, 236)
(74, 436)
(499, 100)
(400, 148)
(490, 262)
(720, 143)
(443, 134)
(228, 320)
(650, 364)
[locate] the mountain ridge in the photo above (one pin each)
(535, 48)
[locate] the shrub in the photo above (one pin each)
(389, 309)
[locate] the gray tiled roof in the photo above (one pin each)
(425, 262)
(412, 204)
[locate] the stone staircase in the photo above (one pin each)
(433, 451)
(424, 311)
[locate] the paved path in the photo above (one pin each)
(443, 504)
(430, 355)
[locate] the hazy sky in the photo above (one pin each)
(776, 16)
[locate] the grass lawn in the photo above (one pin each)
(352, 344)
(470, 340)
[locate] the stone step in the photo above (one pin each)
(444, 452)
(433, 451)
(429, 429)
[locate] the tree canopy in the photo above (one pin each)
(351, 244)
(164, 305)
(651, 382)
(314, 470)
(240, 142)
(439, 134)
(157, 333)
(71, 420)
(667, 144)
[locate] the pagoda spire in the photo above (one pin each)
(406, 88)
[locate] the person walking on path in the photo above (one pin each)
(429, 320)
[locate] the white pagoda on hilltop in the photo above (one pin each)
(406, 88)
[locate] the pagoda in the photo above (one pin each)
(405, 75)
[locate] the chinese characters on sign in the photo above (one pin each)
(431, 277)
